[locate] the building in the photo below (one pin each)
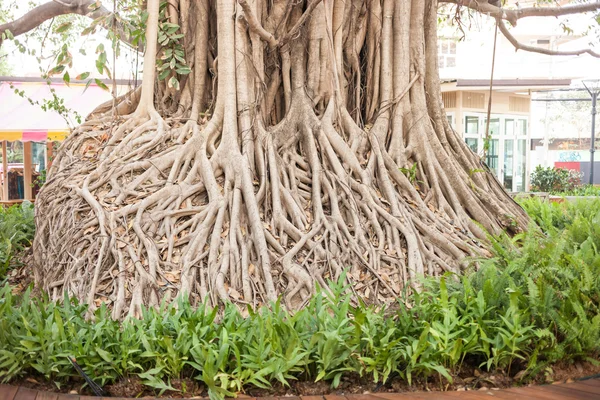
(515, 125)
(30, 127)
(508, 148)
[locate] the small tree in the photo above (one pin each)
(264, 154)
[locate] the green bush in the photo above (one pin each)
(17, 228)
(586, 190)
(535, 302)
(554, 179)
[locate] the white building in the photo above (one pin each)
(520, 128)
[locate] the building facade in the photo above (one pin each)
(518, 127)
(506, 149)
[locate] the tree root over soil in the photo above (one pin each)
(283, 187)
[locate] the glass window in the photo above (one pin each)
(491, 157)
(472, 125)
(15, 152)
(520, 167)
(508, 163)
(15, 156)
(522, 127)
(447, 53)
(38, 156)
(450, 120)
(494, 126)
(509, 127)
(472, 143)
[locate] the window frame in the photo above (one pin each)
(501, 137)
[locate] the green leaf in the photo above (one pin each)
(183, 70)
(83, 76)
(101, 84)
(106, 356)
(174, 83)
(100, 66)
(163, 74)
(63, 27)
(88, 30)
(56, 70)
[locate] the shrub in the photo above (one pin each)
(554, 179)
(585, 190)
(17, 228)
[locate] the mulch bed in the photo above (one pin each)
(472, 379)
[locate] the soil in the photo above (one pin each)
(467, 379)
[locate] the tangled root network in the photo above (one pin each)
(324, 148)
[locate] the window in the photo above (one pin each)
(472, 143)
(494, 126)
(38, 156)
(521, 165)
(447, 53)
(15, 152)
(508, 163)
(509, 127)
(491, 157)
(522, 127)
(472, 125)
(504, 152)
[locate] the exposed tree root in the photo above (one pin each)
(281, 189)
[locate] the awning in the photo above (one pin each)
(23, 121)
(33, 136)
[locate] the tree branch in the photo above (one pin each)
(513, 16)
(292, 32)
(55, 8)
(520, 46)
(255, 25)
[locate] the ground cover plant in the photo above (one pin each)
(17, 229)
(585, 190)
(519, 312)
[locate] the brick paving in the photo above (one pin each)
(583, 390)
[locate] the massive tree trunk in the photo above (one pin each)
(309, 139)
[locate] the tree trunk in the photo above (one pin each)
(310, 139)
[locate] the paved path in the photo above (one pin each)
(583, 390)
